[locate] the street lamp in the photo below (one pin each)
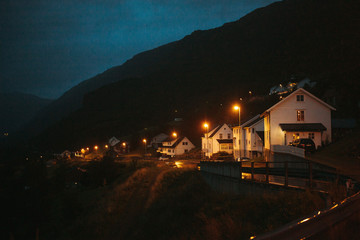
(174, 134)
(144, 141)
(96, 147)
(237, 108)
(206, 126)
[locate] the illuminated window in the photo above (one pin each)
(300, 98)
(300, 115)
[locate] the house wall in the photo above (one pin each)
(285, 112)
(238, 134)
(181, 148)
(213, 144)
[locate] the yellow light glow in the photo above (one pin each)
(206, 125)
(174, 134)
(106, 146)
(236, 108)
(124, 144)
(96, 147)
(144, 140)
(87, 149)
(82, 150)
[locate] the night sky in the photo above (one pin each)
(49, 46)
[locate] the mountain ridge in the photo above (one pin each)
(313, 38)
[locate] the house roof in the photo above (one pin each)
(302, 127)
(296, 92)
(176, 142)
(224, 140)
(252, 121)
(215, 130)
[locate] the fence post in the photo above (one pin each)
(252, 171)
(310, 175)
(286, 174)
(267, 172)
(240, 170)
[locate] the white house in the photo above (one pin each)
(299, 115)
(248, 138)
(177, 146)
(219, 139)
(157, 140)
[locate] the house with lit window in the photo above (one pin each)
(248, 138)
(176, 146)
(219, 139)
(299, 115)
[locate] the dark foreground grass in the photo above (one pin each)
(165, 203)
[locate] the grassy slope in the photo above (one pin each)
(343, 155)
(167, 203)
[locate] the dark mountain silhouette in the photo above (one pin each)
(17, 109)
(202, 73)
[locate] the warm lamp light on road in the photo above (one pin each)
(236, 108)
(96, 147)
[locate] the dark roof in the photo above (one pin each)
(175, 144)
(260, 134)
(302, 127)
(216, 130)
(225, 140)
(253, 121)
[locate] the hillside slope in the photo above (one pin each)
(17, 109)
(314, 38)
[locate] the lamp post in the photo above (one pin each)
(206, 126)
(144, 141)
(174, 134)
(237, 108)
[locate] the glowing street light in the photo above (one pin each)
(237, 108)
(124, 144)
(96, 147)
(87, 149)
(174, 134)
(106, 146)
(206, 126)
(144, 141)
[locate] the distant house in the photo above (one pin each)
(157, 140)
(174, 147)
(219, 139)
(113, 141)
(248, 138)
(299, 115)
(118, 146)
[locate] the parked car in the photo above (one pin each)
(163, 158)
(305, 143)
